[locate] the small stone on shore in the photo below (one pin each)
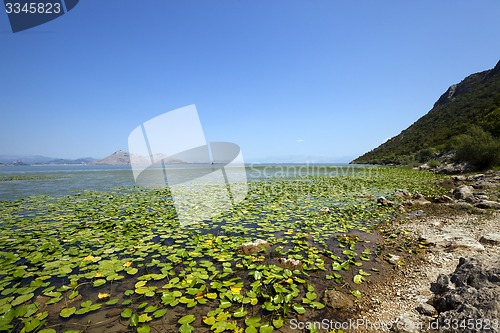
(427, 310)
(487, 204)
(491, 239)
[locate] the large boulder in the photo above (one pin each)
(464, 192)
(454, 168)
(471, 294)
(451, 239)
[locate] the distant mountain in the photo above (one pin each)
(83, 160)
(464, 121)
(34, 159)
(119, 157)
(19, 160)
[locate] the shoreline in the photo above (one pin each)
(408, 286)
(400, 303)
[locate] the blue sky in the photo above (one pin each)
(287, 80)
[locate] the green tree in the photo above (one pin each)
(478, 148)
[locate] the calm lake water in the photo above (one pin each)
(17, 182)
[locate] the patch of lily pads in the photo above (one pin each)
(66, 259)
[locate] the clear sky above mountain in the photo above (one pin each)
(287, 80)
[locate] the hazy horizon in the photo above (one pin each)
(276, 159)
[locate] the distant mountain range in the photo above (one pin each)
(463, 125)
(119, 157)
(18, 160)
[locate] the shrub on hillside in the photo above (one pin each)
(433, 163)
(478, 148)
(423, 155)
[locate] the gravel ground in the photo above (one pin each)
(397, 298)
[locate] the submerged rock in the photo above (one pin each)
(384, 202)
(402, 193)
(394, 259)
(290, 263)
(254, 247)
(337, 300)
(324, 210)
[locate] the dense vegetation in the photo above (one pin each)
(119, 261)
(464, 124)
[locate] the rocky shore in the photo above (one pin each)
(454, 285)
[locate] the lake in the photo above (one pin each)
(17, 182)
(85, 250)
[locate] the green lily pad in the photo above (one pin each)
(299, 308)
(278, 322)
(133, 271)
(134, 320)
(266, 328)
(73, 294)
(358, 279)
(99, 282)
(144, 328)
(311, 296)
(32, 324)
(127, 313)
(240, 313)
(356, 293)
(112, 301)
(143, 318)
(159, 313)
(186, 328)
(21, 299)
(187, 319)
(67, 312)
